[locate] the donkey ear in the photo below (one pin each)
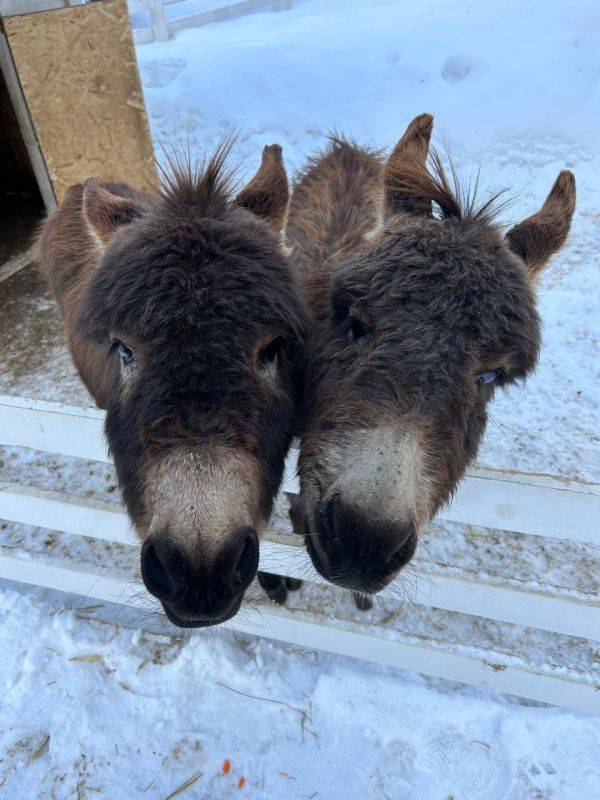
(540, 236)
(267, 194)
(408, 158)
(104, 211)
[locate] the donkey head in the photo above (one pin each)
(413, 337)
(197, 306)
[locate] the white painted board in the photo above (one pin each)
(286, 555)
(540, 505)
(349, 639)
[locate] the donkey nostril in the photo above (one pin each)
(155, 575)
(326, 519)
(246, 565)
(405, 551)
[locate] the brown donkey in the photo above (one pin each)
(419, 318)
(185, 322)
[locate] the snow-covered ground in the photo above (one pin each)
(93, 708)
(132, 714)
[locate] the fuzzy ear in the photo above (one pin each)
(540, 236)
(104, 211)
(409, 156)
(267, 194)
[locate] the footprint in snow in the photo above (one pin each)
(457, 67)
(400, 778)
(468, 768)
(160, 72)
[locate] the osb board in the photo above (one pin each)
(80, 80)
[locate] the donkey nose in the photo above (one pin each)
(357, 551)
(204, 589)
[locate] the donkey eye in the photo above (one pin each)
(126, 354)
(269, 354)
(487, 377)
(355, 329)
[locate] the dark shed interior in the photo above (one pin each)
(21, 205)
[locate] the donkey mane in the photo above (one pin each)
(347, 149)
(206, 186)
(455, 200)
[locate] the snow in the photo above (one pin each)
(100, 703)
(132, 713)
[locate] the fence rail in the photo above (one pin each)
(571, 615)
(533, 504)
(161, 28)
(349, 639)
(528, 503)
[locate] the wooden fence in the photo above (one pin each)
(538, 505)
(161, 28)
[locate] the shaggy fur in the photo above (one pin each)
(196, 283)
(406, 319)
(335, 204)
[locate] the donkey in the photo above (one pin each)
(185, 321)
(418, 320)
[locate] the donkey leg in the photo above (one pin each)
(362, 601)
(293, 584)
(274, 586)
(295, 514)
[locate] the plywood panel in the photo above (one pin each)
(79, 75)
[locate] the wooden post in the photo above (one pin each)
(159, 20)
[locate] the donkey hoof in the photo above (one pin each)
(293, 584)
(274, 586)
(363, 601)
(279, 594)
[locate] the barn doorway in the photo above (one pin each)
(21, 204)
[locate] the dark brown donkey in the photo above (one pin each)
(419, 319)
(185, 322)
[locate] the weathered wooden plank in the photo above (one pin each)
(16, 263)
(492, 499)
(218, 14)
(53, 428)
(55, 510)
(10, 8)
(344, 638)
